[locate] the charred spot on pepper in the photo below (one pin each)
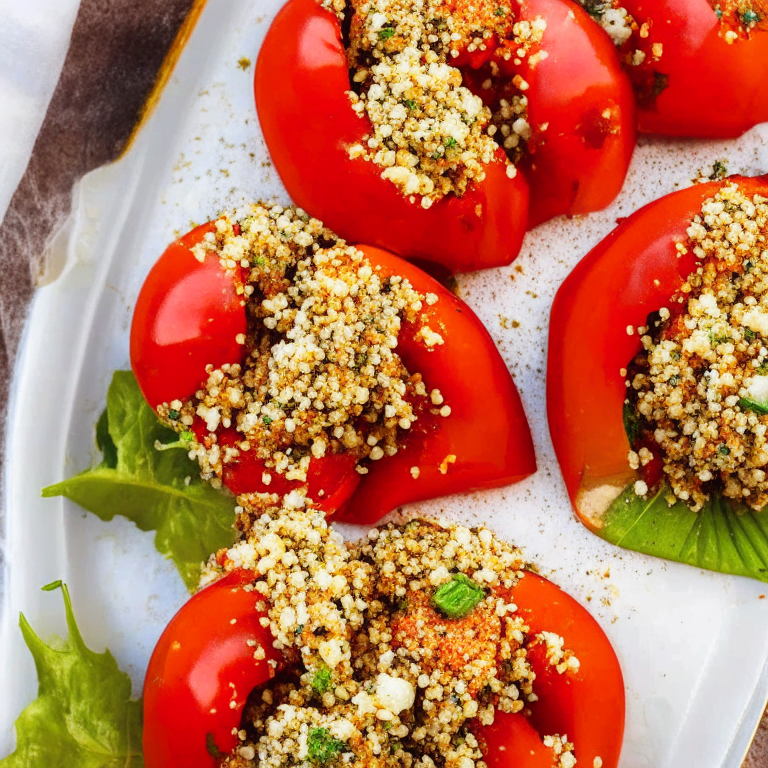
(210, 745)
(648, 85)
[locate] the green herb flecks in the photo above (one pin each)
(185, 438)
(631, 422)
(83, 715)
(719, 170)
(749, 17)
(322, 681)
(458, 597)
(752, 405)
(159, 490)
(595, 8)
(322, 747)
(386, 33)
(450, 142)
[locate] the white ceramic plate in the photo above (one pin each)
(693, 645)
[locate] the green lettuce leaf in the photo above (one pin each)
(148, 486)
(83, 716)
(724, 536)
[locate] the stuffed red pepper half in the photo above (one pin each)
(699, 68)
(425, 128)
(289, 360)
(423, 644)
(657, 386)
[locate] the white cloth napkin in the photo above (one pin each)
(34, 38)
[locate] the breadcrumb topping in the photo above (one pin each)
(432, 135)
(698, 392)
(320, 372)
(383, 677)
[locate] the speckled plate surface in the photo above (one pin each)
(693, 645)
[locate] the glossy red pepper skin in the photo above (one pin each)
(701, 85)
(188, 314)
(486, 433)
(201, 673)
(467, 368)
(581, 110)
(586, 704)
(482, 229)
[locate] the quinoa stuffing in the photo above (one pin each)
(431, 135)
(381, 675)
(698, 391)
(740, 17)
(320, 372)
(613, 18)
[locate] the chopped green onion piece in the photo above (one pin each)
(322, 680)
(458, 597)
(386, 33)
(267, 420)
(173, 415)
(749, 17)
(185, 438)
(321, 746)
(751, 405)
